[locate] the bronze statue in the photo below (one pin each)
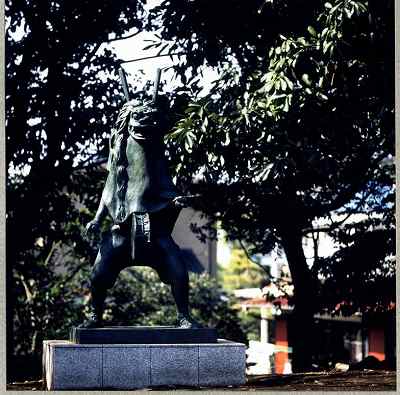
(144, 205)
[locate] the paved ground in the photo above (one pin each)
(366, 380)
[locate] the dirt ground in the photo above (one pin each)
(366, 380)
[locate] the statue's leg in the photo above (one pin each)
(110, 260)
(170, 263)
(174, 271)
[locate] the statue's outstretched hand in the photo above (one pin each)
(91, 228)
(184, 201)
(178, 202)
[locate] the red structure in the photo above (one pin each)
(281, 339)
(339, 338)
(376, 342)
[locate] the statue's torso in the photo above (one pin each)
(149, 186)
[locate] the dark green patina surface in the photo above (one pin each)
(138, 180)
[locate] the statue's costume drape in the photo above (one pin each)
(138, 180)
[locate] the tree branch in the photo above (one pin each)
(54, 245)
(347, 194)
(333, 224)
(92, 160)
(152, 57)
(322, 229)
(326, 229)
(249, 258)
(90, 55)
(124, 37)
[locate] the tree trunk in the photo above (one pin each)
(10, 302)
(301, 327)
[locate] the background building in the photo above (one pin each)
(199, 256)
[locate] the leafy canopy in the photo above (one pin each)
(306, 135)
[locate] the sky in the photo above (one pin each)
(132, 48)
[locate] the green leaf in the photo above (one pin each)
(227, 139)
(312, 31)
(327, 46)
(204, 125)
(324, 32)
(286, 106)
(302, 40)
(322, 96)
(289, 83)
(348, 12)
(306, 79)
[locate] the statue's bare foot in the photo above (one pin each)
(187, 322)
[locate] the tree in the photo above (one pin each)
(360, 276)
(241, 272)
(304, 133)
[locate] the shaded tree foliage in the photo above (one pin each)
(241, 272)
(210, 31)
(360, 276)
(306, 133)
(61, 96)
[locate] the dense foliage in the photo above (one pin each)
(241, 272)
(304, 135)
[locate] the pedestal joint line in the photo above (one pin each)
(198, 366)
(102, 367)
(150, 367)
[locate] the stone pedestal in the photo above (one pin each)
(69, 365)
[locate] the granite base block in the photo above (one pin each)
(130, 366)
(174, 365)
(126, 367)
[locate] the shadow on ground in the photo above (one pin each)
(366, 380)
